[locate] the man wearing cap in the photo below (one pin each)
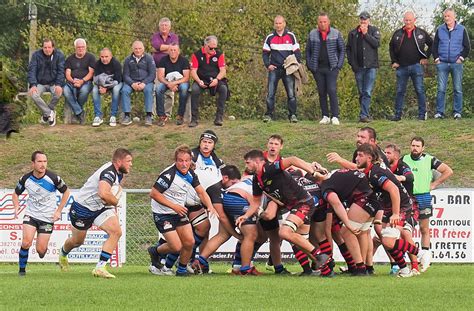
(410, 48)
(362, 54)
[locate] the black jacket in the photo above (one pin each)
(370, 43)
(46, 70)
(422, 39)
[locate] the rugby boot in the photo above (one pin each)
(102, 273)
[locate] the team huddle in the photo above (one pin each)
(276, 198)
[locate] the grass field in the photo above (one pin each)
(442, 287)
(75, 152)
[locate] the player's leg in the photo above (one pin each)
(29, 231)
(185, 233)
(201, 226)
(75, 240)
(249, 232)
(107, 221)
(201, 264)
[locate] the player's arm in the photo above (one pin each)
(340, 211)
(16, 204)
(62, 203)
(378, 223)
(334, 157)
(445, 171)
(394, 193)
(206, 200)
(254, 201)
(302, 164)
(106, 195)
(270, 212)
(160, 198)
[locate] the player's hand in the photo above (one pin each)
(239, 221)
(353, 230)
(202, 85)
(212, 212)
(271, 68)
(56, 216)
(395, 65)
(333, 157)
(394, 219)
(181, 210)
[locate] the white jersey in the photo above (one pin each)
(88, 195)
(175, 187)
(41, 203)
(207, 170)
(245, 185)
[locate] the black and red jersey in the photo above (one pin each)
(346, 184)
(402, 169)
(278, 184)
(378, 176)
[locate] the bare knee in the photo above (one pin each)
(26, 244)
(115, 233)
(175, 247)
(188, 242)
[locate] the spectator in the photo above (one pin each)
(79, 73)
(139, 73)
(408, 55)
(173, 75)
(107, 78)
(46, 74)
(362, 54)
(161, 42)
(324, 58)
(278, 45)
(208, 72)
(451, 46)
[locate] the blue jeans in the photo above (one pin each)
(160, 98)
(289, 83)
(77, 97)
(97, 100)
(326, 82)
(365, 78)
(147, 93)
(444, 69)
(415, 72)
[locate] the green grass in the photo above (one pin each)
(448, 287)
(75, 152)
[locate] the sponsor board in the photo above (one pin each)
(11, 234)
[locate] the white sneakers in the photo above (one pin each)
(405, 273)
(325, 120)
(163, 271)
(113, 121)
(97, 121)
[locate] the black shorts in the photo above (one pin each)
(194, 208)
(320, 213)
(269, 225)
(303, 210)
(81, 217)
(168, 222)
(235, 212)
(215, 193)
(41, 226)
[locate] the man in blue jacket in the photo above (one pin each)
(139, 72)
(46, 74)
(451, 46)
(325, 52)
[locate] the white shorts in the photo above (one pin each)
(361, 226)
(389, 232)
(102, 218)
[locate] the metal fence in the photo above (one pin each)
(141, 230)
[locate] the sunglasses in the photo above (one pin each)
(212, 49)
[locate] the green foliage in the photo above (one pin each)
(240, 27)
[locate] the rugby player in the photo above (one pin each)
(94, 205)
(272, 180)
(41, 207)
(422, 165)
(170, 214)
(397, 208)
